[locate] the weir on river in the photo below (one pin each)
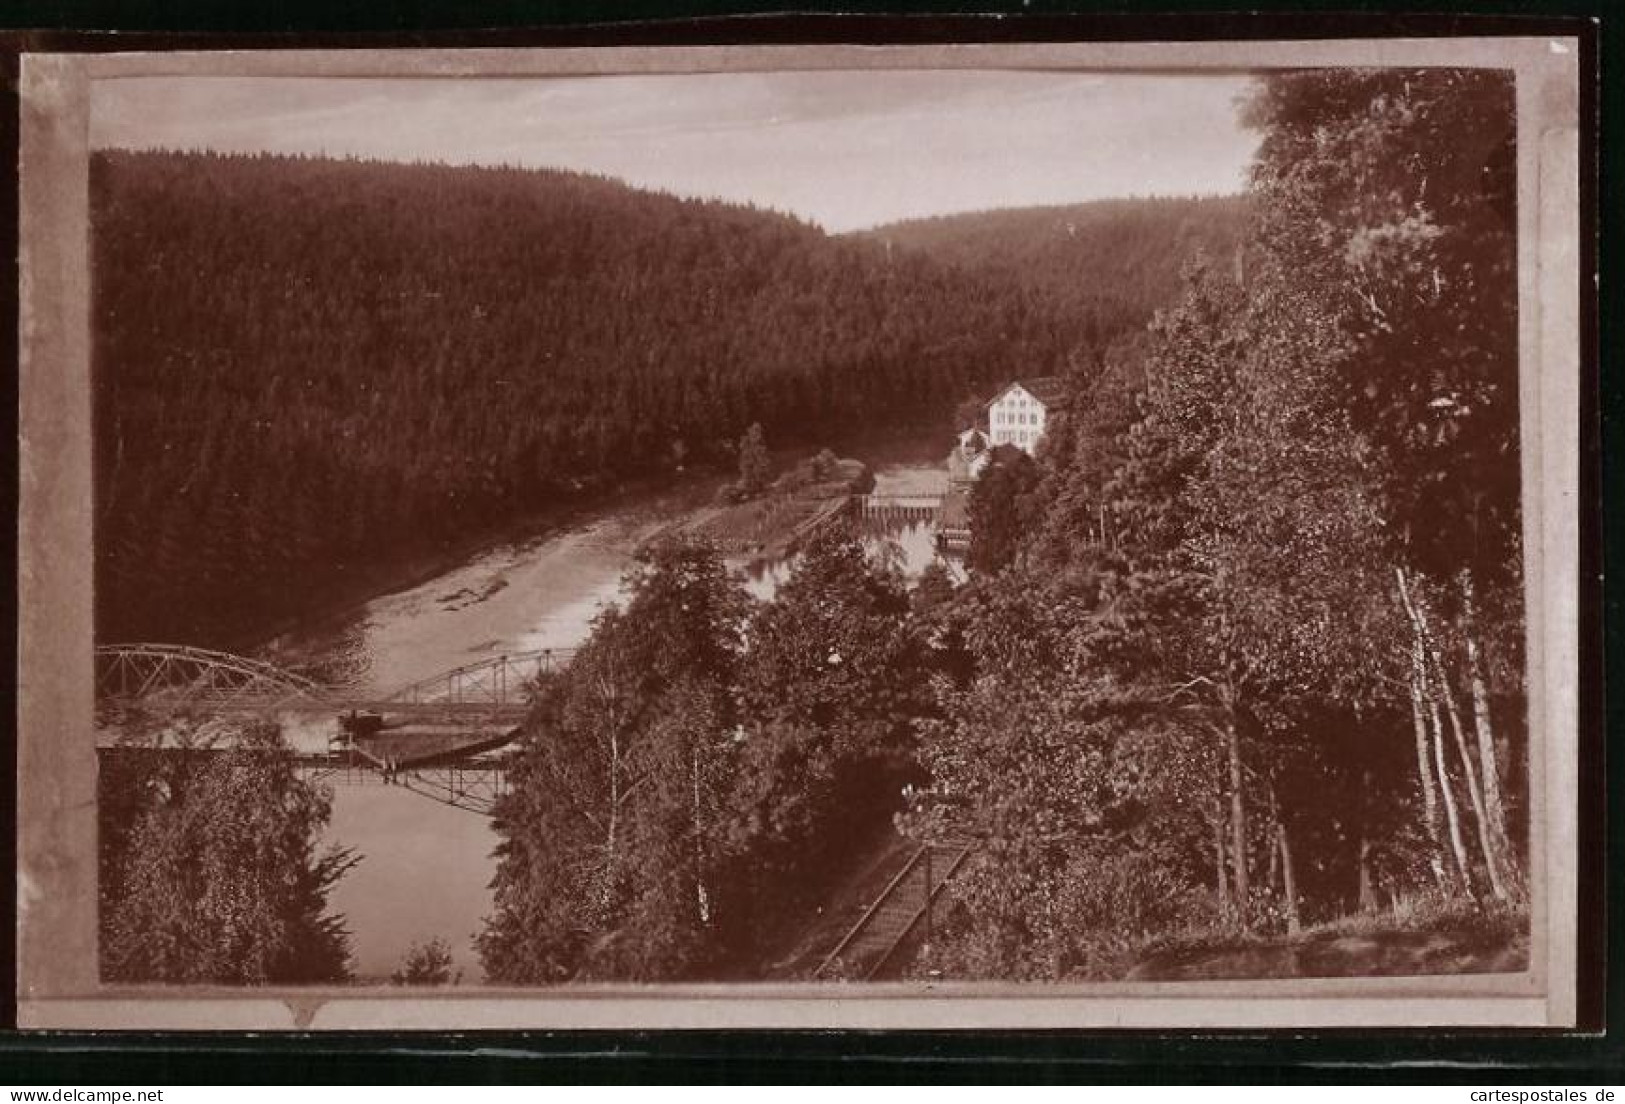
(898, 507)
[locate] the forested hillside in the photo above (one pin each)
(1107, 261)
(1235, 683)
(1259, 645)
(305, 364)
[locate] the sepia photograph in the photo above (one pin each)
(821, 527)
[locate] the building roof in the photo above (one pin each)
(1048, 390)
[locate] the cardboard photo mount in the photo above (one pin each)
(58, 986)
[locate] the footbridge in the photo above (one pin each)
(449, 737)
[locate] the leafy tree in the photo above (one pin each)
(1410, 250)
(830, 690)
(426, 964)
(969, 412)
(1000, 513)
(835, 645)
(933, 589)
(1285, 531)
(1090, 445)
(610, 837)
(1088, 838)
(211, 867)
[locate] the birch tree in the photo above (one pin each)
(1389, 197)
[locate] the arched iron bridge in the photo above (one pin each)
(449, 737)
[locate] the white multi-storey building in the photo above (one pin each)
(1017, 415)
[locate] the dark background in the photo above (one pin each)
(1594, 1055)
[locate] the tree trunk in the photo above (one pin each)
(1221, 881)
(1424, 773)
(614, 785)
(1289, 877)
(1489, 769)
(1238, 817)
(702, 900)
(610, 875)
(1457, 848)
(1368, 892)
(1492, 863)
(1426, 650)
(1424, 770)
(1273, 878)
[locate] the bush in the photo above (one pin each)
(1089, 916)
(426, 964)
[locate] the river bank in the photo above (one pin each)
(342, 600)
(338, 603)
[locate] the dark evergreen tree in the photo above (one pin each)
(755, 467)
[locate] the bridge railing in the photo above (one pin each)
(501, 681)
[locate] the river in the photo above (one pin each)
(425, 868)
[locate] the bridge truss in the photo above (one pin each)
(169, 678)
(502, 682)
(448, 737)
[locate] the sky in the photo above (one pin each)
(844, 149)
